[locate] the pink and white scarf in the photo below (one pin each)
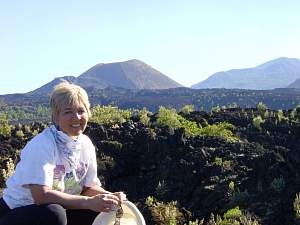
(68, 148)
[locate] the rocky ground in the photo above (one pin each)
(259, 173)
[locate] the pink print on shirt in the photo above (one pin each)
(71, 182)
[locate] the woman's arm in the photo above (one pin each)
(101, 202)
(95, 190)
(92, 191)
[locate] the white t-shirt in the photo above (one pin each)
(40, 164)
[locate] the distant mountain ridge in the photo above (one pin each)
(295, 84)
(132, 74)
(278, 73)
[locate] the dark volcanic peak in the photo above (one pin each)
(47, 88)
(132, 74)
(278, 73)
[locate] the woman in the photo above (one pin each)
(55, 182)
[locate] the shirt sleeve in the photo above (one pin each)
(91, 178)
(37, 162)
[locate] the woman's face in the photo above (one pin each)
(72, 120)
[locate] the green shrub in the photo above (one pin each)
(262, 108)
(216, 108)
(35, 132)
(222, 129)
(191, 128)
(227, 164)
(196, 222)
(233, 216)
(109, 115)
(165, 213)
(5, 128)
(27, 129)
(187, 109)
(149, 201)
(218, 161)
(232, 105)
(280, 116)
(295, 114)
(297, 206)
(278, 184)
(231, 186)
(257, 121)
(168, 117)
(233, 213)
(248, 219)
(161, 189)
(7, 171)
(20, 134)
(144, 116)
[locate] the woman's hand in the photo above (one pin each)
(104, 202)
(121, 195)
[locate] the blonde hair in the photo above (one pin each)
(65, 94)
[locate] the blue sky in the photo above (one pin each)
(186, 40)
